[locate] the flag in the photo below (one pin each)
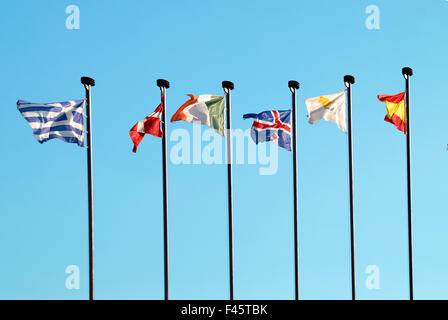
(396, 110)
(273, 125)
(204, 109)
(60, 120)
(331, 107)
(150, 125)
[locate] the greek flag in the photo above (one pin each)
(60, 120)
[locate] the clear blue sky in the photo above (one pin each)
(259, 45)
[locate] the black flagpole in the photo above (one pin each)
(349, 80)
(88, 84)
(294, 86)
(407, 73)
(228, 86)
(163, 85)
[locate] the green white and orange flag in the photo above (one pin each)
(396, 110)
(203, 109)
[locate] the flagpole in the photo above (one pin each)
(349, 80)
(163, 85)
(88, 84)
(407, 73)
(294, 86)
(229, 86)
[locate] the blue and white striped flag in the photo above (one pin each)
(60, 120)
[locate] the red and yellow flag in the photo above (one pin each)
(396, 110)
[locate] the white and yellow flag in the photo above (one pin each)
(331, 107)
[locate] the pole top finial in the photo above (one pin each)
(88, 81)
(293, 84)
(228, 85)
(163, 83)
(349, 79)
(406, 71)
